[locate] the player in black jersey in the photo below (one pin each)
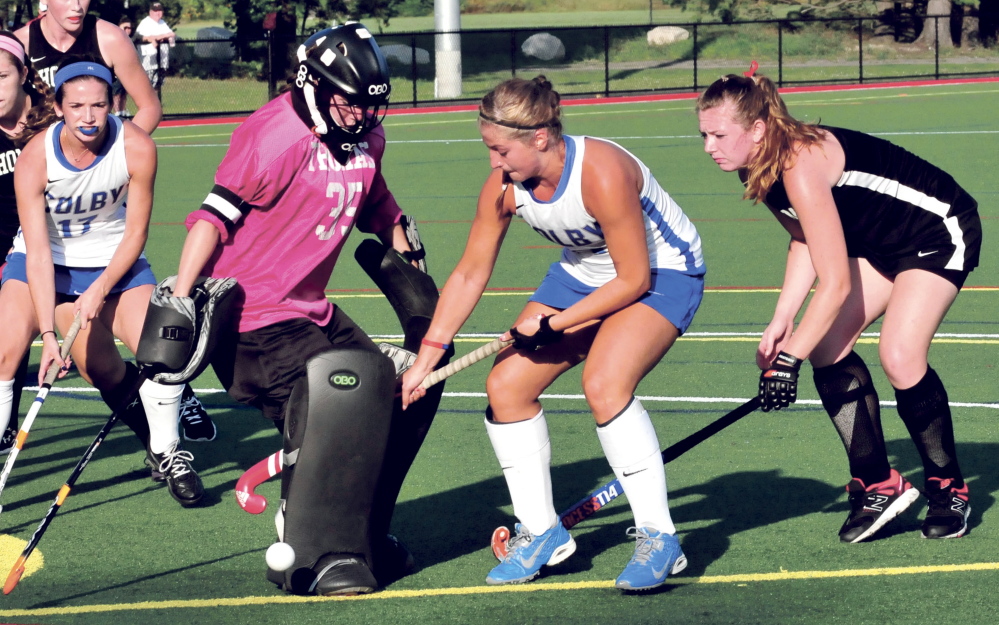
(887, 235)
(17, 95)
(65, 29)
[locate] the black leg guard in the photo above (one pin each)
(849, 397)
(134, 416)
(19, 377)
(336, 428)
(925, 410)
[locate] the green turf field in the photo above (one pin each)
(758, 506)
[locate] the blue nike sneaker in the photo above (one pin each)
(527, 553)
(657, 556)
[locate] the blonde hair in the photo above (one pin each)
(523, 106)
(756, 98)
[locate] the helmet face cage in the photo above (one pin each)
(344, 61)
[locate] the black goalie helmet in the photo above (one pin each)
(345, 61)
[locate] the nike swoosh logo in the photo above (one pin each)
(519, 206)
(633, 473)
(662, 571)
(921, 254)
(34, 60)
(529, 563)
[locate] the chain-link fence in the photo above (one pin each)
(207, 77)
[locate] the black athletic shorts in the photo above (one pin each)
(259, 368)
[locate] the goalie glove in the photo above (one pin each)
(180, 333)
(418, 254)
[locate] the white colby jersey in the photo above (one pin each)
(672, 239)
(86, 207)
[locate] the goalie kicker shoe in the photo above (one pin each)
(657, 556)
(527, 553)
(947, 515)
(343, 575)
(174, 467)
(194, 419)
(871, 507)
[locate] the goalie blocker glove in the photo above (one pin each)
(180, 333)
(533, 342)
(779, 383)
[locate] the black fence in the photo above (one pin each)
(207, 77)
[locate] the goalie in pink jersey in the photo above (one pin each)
(300, 174)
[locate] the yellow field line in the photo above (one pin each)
(747, 578)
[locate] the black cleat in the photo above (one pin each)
(872, 507)
(7, 440)
(947, 515)
(174, 467)
(392, 560)
(194, 419)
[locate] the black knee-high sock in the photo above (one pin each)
(926, 414)
(849, 397)
(19, 377)
(132, 415)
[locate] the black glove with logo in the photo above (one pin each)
(779, 383)
(533, 342)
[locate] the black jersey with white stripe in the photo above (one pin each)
(8, 204)
(45, 59)
(894, 204)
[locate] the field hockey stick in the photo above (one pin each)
(255, 476)
(17, 570)
(271, 465)
(467, 360)
(36, 406)
(587, 506)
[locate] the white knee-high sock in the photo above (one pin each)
(162, 405)
(6, 401)
(525, 455)
(632, 448)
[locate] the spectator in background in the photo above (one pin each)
(119, 97)
(157, 38)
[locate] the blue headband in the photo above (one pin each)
(74, 70)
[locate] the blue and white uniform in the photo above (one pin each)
(676, 263)
(86, 215)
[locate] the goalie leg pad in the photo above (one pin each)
(412, 293)
(338, 421)
(180, 333)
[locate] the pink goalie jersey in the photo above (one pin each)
(284, 208)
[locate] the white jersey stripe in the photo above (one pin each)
(224, 206)
(893, 188)
(956, 261)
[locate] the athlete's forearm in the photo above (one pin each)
(199, 246)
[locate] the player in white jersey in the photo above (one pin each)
(886, 234)
(81, 253)
(628, 284)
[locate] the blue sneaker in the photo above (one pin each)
(527, 553)
(657, 555)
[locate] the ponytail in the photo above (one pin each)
(756, 98)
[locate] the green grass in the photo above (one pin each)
(757, 506)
